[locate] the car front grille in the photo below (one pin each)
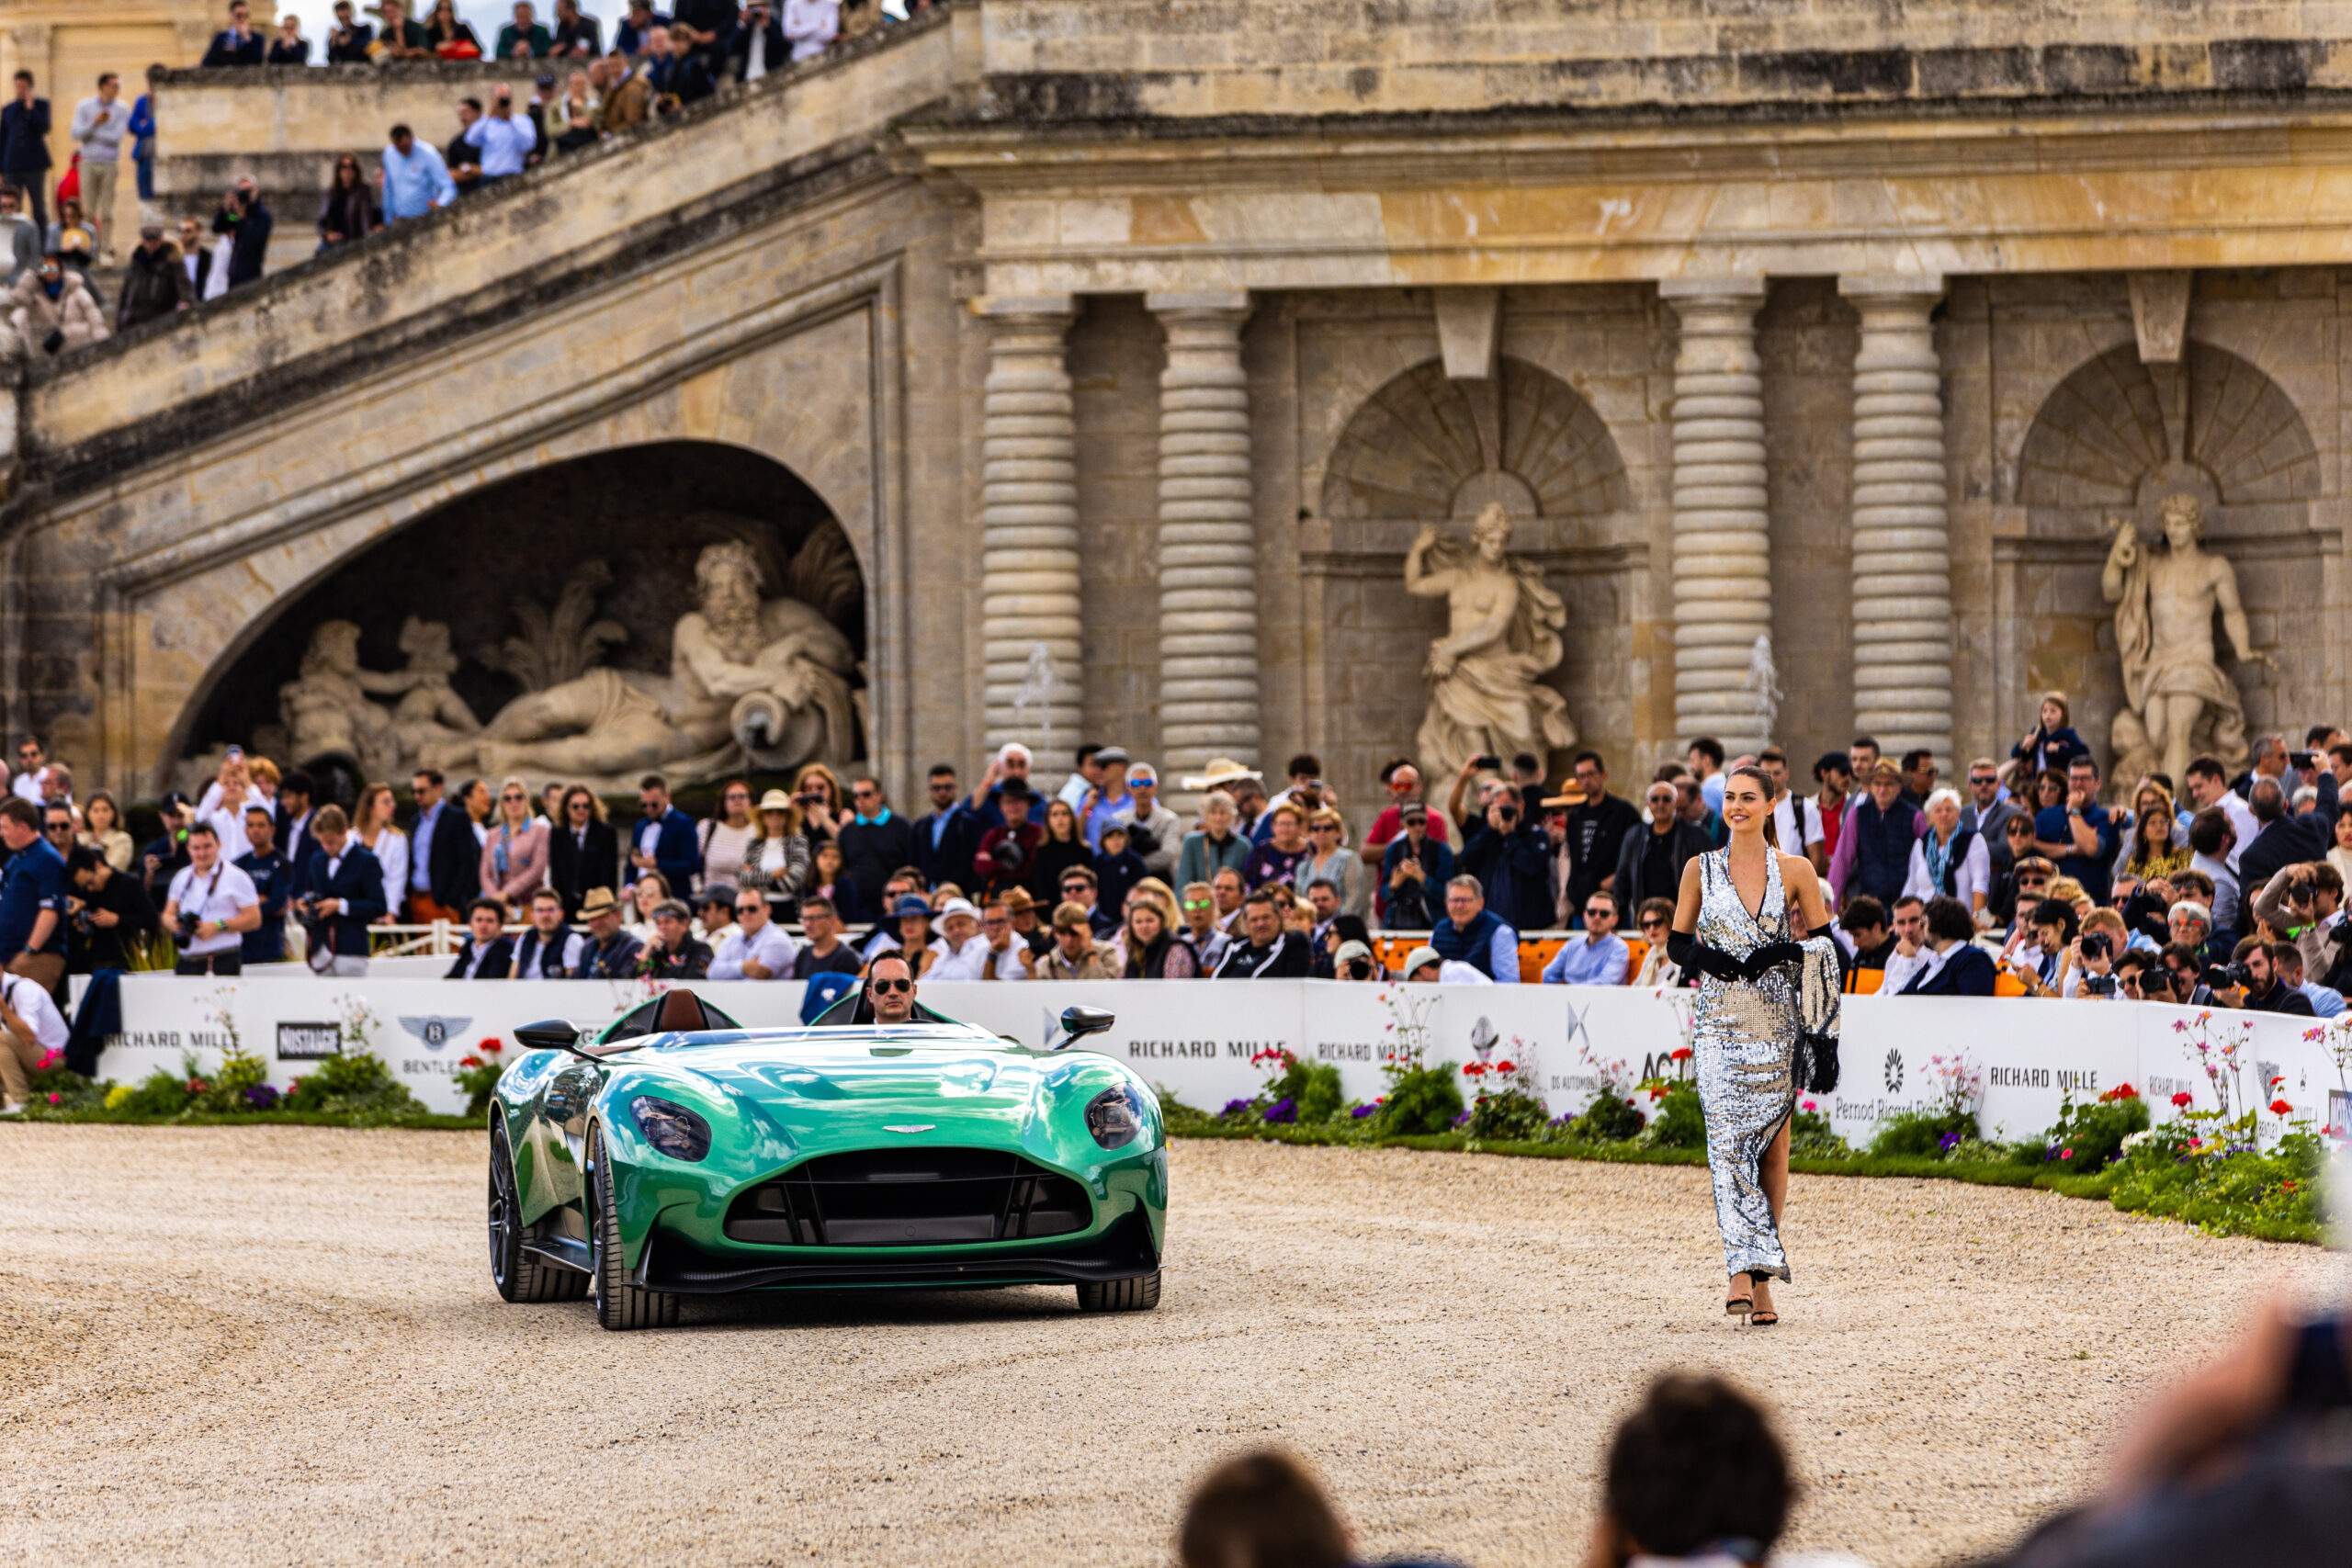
(913, 1197)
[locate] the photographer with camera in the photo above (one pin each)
(2303, 903)
(210, 908)
(2090, 960)
(2252, 983)
(109, 911)
(339, 892)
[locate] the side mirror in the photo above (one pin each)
(550, 1035)
(1080, 1022)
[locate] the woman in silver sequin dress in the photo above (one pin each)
(1738, 921)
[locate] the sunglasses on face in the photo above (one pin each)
(2033, 882)
(750, 908)
(1596, 914)
(886, 986)
(1652, 925)
(1073, 889)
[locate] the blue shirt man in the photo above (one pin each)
(273, 878)
(1601, 958)
(2054, 825)
(416, 180)
(32, 886)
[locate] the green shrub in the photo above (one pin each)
(1609, 1119)
(1421, 1099)
(1678, 1121)
(1809, 1137)
(1922, 1134)
(162, 1093)
(1512, 1115)
(2200, 1175)
(1314, 1088)
(2085, 1138)
(355, 1085)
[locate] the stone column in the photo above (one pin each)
(1903, 616)
(1723, 582)
(1208, 551)
(1030, 622)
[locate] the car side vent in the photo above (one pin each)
(916, 1197)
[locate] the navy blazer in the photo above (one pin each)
(496, 959)
(676, 854)
(358, 881)
(1967, 973)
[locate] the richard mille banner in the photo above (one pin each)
(2017, 1059)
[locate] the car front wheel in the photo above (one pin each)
(1139, 1294)
(619, 1305)
(519, 1276)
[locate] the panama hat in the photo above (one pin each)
(1222, 770)
(776, 800)
(598, 901)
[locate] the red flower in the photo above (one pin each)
(1505, 1067)
(2277, 1082)
(491, 1046)
(1682, 1054)
(2184, 1097)
(196, 1086)
(2068, 1154)
(469, 1061)
(2286, 1185)
(2279, 1108)
(57, 1099)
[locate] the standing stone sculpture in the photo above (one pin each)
(1502, 637)
(329, 714)
(2179, 702)
(751, 680)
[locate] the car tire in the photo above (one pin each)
(619, 1305)
(519, 1276)
(1139, 1294)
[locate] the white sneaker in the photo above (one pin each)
(17, 1108)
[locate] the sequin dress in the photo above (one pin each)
(1744, 1034)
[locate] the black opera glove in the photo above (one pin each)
(1771, 956)
(1695, 957)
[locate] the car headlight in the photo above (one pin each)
(670, 1128)
(1114, 1118)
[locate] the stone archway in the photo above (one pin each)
(2111, 441)
(541, 579)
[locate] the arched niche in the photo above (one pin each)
(494, 566)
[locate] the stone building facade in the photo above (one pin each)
(1129, 348)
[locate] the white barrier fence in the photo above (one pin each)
(1197, 1039)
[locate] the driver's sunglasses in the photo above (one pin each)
(886, 986)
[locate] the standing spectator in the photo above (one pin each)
(273, 880)
(583, 849)
(448, 37)
(550, 950)
(1402, 780)
(485, 955)
(776, 863)
(445, 859)
(1510, 857)
(1471, 934)
(102, 830)
(574, 118)
(24, 237)
(154, 283)
(112, 917)
(1596, 830)
(524, 37)
(24, 147)
(812, 25)
(2301, 903)
(1010, 764)
(2080, 834)
(54, 310)
(663, 839)
(338, 897)
(947, 837)
(1158, 833)
(1649, 863)
(1601, 958)
(99, 125)
(1275, 860)
(290, 46)
(676, 953)
(874, 840)
(1834, 773)
(1118, 869)
(758, 949)
(236, 44)
(246, 221)
(206, 279)
(160, 861)
(209, 907)
(1008, 852)
(413, 179)
(2051, 743)
(1266, 952)
(611, 952)
(826, 881)
(639, 25)
(504, 139)
(1919, 778)
(142, 127)
(1796, 819)
(2208, 787)
(1108, 801)
(629, 96)
(576, 35)
(348, 211)
(1079, 886)
(2158, 846)
(725, 840)
(684, 78)
(2285, 838)
(1327, 859)
(514, 859)
(1862, 758)
(1988, 809)
(371, 823)
(1947, 859)
(1063, 847)
(463, 156)
(346, 45)
(71, 239)
(1216, 844)
(32, 898)
(758, 45)
(1414, 870)
(1704, 757)
(1874, 852)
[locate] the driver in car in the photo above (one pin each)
(890, 990)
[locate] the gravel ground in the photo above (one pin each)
(282, 1346)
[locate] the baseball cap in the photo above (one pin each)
(1421, 958)
(1112, 754)
(1352, 950)
(910, 904)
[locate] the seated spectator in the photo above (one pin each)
(1009, 955)
(1471, 934)
(1263, 1510)
(486, 954)
(965, 953)
(576, 35)
(674, 953)
(290, 46)
(1216, 844)
(2301, 904)
(54, 311)
(823, 952)
(908, 932)
(612, 952)
(1074, 955)
(550, 950)
(1655, 916)
(1598, 958)
(1695, 1472)
(238, 43)
(2036, 952)
(758, 949)
(2142, 978)
(31, 1028)
(71, 238)
(1426, 967)
(758, 46)
(347, 40)
(639, 25)
(1414, 870)
(714, 910)
(1117, 868)
(1863, 932)
(2287, 960)
(401, 37)
(154, 283)
(1948, 961)
(1287, 845)
(678, 73)
(348, 210)
(1949, 859)
(524, 37)
(1264, 950)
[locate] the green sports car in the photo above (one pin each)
(672, 1153)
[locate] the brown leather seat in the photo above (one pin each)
(681, 1011)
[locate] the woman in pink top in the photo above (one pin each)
(515, 856)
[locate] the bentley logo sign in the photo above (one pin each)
(434, 1032)
(912, 1127)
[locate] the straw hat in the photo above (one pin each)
(598, 901)
(1222, 770)
(776, 800)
